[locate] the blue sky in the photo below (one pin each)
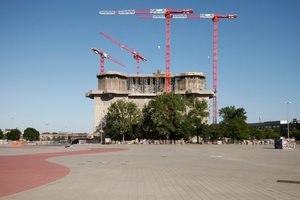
(47, 65)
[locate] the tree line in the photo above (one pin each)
(29, 134)
(15, 134)
(174, 116)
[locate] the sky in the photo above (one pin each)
(47, 65)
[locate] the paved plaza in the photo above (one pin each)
(151, 172)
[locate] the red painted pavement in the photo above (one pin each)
(24, 172)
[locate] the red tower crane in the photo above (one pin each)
(215, 18)
(135, 54)
(168, 14)
(102, 56)
(215, 59)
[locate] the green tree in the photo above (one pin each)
(237, 129)
(207, 131)
(270, 133)
(14, 134)
(230, 112)
(1, 134)
(234, 122)
(256, 133)
(122, 120)
(295, 133)
(31, 134)
(164, 117)
(217, 132)
(197, 117)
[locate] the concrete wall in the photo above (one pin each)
(112, 84)
(191, 83)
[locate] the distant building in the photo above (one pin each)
(277, 125)
(140, 89)
(6, 131)
(72, 136)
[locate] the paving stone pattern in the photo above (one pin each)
(170, 172)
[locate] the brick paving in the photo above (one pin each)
(19, 173)
(164, 172)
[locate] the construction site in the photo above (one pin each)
(139, 88)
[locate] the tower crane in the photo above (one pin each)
(102, 56)
(135, 54)
(215, 19)
(168, 14)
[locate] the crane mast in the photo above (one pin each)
(102, 56)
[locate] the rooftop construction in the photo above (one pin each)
(140, 89)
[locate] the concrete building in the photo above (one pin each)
(140, 89)
(277, 125)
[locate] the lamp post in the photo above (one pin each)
(47, 127)
(288, 128)
(101, 129)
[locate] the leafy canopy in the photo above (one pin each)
(230, 112)
(122, 120)
(164, 117)
(14, 134)
(1, 134)
(197, 117)
(234, 123)
(31, 134)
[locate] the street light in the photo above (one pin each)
(288, 128)
(47, 127)
(101, 129)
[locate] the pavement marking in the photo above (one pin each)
(24, 172)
